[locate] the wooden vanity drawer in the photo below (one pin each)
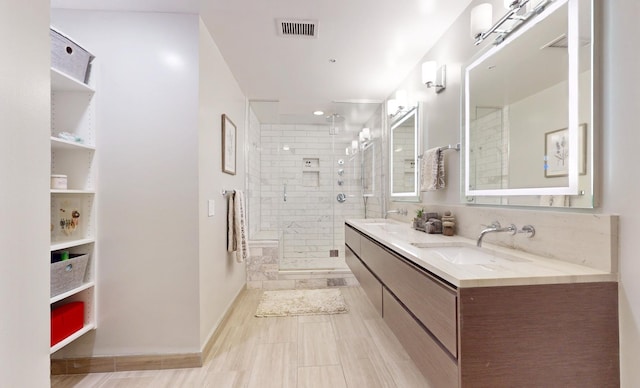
(352, 239)
(433, 361)
(368, 282)
(433, 303)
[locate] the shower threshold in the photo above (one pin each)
(317, 264)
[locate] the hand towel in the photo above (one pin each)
(432, 170)
(231, 226)
(237, 227)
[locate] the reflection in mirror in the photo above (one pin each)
(528, 114)
(403, 151)
(368, 170)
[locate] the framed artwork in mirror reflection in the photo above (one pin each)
(556, 152)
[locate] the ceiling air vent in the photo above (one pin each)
(297, 28)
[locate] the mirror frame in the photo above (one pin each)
(408, 196)
(573, 74)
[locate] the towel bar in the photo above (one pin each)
(447, 147)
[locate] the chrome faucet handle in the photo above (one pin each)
(512, 229)
(529, 229)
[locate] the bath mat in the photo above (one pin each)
(284, 303)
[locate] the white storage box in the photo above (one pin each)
(68, 274)
(59, 182)
(68, 57)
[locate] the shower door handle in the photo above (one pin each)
(284, 192)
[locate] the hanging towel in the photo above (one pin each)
(237, 227)
(432, 170)
(231, 226)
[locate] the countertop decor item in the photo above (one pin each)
(448, 224)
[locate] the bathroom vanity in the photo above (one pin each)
(491, 316)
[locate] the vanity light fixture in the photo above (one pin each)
(517, 14)
(400, 104)
(434, 76)
(481, 18)
(354, 147)
(364, 135)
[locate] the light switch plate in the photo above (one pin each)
(212, 208)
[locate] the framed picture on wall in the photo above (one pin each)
(229, 140)
(556, 152)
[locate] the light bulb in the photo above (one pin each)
(429, 73)
(481, 19)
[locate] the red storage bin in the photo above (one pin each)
(66, 320)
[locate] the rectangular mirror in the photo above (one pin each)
(528, 113)
(404, 156)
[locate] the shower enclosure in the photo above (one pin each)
(307, 182)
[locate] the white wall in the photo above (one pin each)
(621, 188)
(147, 149)
(221, 278)
(24, 193)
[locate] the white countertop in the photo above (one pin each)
(510, 267)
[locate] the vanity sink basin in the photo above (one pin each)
(471, 256)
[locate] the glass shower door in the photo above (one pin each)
(307, 214)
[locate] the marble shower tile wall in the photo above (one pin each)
(302, 158)
(489, 134)
(263, 272)
(253, 174)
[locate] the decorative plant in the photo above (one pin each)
(419, 213)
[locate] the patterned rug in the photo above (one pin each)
(301, 302)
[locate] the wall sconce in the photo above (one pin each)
(517, 13)
(481, 16)
(434, 77)
(399, 104)
(364, 135)
(354, 147)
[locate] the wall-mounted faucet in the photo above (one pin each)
(496, 228)
(402, 212)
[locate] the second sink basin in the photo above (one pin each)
(471, 255)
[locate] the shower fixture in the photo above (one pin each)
(334, 119)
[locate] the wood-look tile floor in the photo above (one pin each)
(353, 350)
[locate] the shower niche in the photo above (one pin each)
(311, 172)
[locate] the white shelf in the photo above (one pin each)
(69, 293)
(61, 144)
(73, 110)
(85, 329)
(57, 191)
(62, 82)
(71, 243)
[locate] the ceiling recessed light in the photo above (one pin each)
(318, 113)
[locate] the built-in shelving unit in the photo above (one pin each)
(73, 210)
